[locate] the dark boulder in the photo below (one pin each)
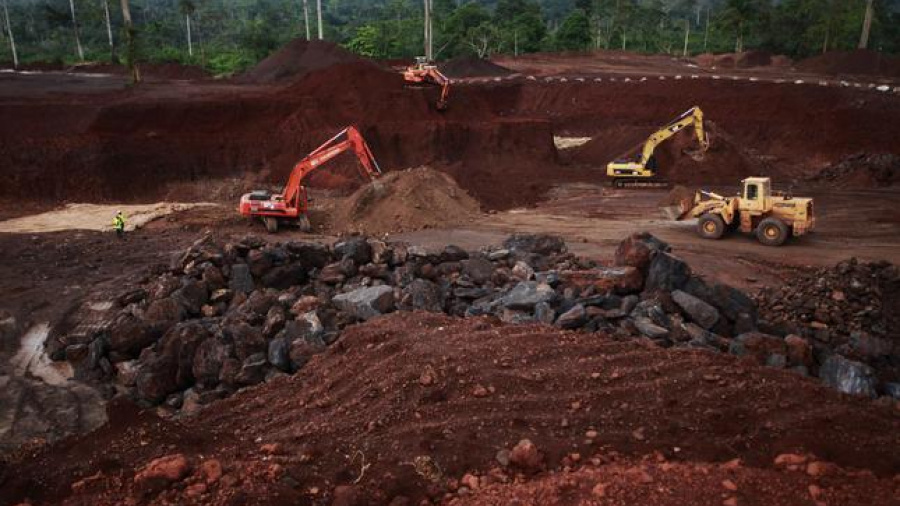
(355, 248)
(666, 272)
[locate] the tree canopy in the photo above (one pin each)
(229, 35)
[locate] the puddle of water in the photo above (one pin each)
(32, 359)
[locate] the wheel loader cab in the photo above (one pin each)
(757, 195)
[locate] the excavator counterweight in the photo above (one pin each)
(639, 170)
(291, 205)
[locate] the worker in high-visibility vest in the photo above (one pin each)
(119, 224)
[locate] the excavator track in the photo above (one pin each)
(642, 183)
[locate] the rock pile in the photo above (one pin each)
(225, 316)
(863, 169)
(849, 315)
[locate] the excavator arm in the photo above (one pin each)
(693, 116)
(348, 138)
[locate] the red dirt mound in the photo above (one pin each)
(298, 58)
(747, 59)
(654, 481)
(858, 62)
(406, 200)
(723, 163)
(473, 67)
(403, 404)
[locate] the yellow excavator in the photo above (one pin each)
(639, 171)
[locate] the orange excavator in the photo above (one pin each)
(424, 72)
(292, 203)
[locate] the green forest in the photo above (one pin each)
(226, 36)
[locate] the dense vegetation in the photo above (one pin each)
(228, 35)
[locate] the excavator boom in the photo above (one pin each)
(641, 171)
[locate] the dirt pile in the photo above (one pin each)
(725, 162)
(857, 62)
(656, 481)
(863, 169)
(849, 311)
(404, 407)
(473, 67)
(406, 200)
(298, 58)
(747, 59)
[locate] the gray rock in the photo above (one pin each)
(540, 244)
(499, 254)
(423, 294)
(365, 303)
(275, 320)
(315, 328)
(648, 328)
(453, 253)
(475, 292)
(525, 295)
(573, 318)
(253, 370)
(666, 272)
(702, 313)
(241, 279)
(848, 376)
(544, 313)
(279, 354)
(478, 269)
(208, 360)
(355, 248)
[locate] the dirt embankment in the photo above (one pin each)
(863, 62)
(495, 139)
(403, 406)
(473, 67)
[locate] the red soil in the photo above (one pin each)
(473, 67)
(417, 400)
(857, 62)
(299, 58)
(496, 140)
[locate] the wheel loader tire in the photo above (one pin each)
(711, 226)
(271, 224)
(303, 223)
(772, 232)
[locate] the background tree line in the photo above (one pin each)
(230, 35)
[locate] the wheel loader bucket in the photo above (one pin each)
(672, 213)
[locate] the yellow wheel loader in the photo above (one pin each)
(772, 215)
(639, 171)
